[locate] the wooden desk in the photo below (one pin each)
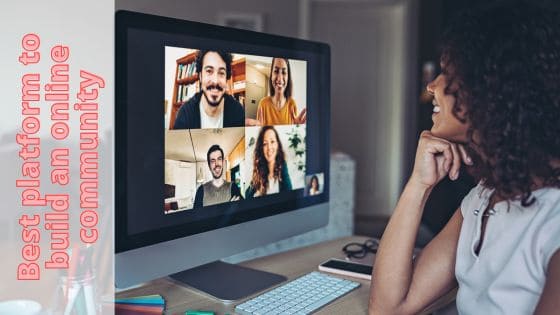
(291, 264)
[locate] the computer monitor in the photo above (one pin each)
(222, 145)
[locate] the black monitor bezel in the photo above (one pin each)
(125, 20)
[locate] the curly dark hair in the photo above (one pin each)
(503, 67)
(226, 57)
(259, 180)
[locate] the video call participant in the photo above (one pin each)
(279, 108)
(212, 107)
(314, 186)
(218, 190)
(496, 110)
(270, 171)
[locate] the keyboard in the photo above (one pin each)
(303, 295)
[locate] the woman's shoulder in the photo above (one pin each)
(475, 196)
(547, 220)
(548, 200)
(267, 100)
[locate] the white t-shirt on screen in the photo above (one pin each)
(210, 122)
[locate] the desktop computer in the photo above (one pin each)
(222, 145)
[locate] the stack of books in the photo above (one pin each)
(148, 304)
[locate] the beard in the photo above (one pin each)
(219, 175)
(209, 99)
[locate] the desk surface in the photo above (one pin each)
(291, 264)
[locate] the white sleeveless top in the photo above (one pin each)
(508, 275)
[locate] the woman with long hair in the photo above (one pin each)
(314, 188)
(496, 110)
(270, 172)
(279, 108)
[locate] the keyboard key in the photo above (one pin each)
(303, 295)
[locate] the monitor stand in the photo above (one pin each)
(227, 282)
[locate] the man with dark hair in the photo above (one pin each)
(212, 107)
(216, 190)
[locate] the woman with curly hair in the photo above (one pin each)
(270, 172)
(497, 111)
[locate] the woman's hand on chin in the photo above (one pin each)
(437, 158)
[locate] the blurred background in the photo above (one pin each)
(383, 54)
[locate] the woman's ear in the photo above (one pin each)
(462, 113)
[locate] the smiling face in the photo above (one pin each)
(216, 163)
(446, 125)
(314, 183)
(279, 76)
(213, 78)
(270, 146)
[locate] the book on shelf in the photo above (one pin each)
(185, 92)
(179, 93)
(186, 70)
(179, 71)
(190, 69)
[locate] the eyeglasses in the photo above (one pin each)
(360, 250)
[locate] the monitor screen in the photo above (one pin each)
(215, 127)
(232, 160)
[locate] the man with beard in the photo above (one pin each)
(217, 190)
(212, 107)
